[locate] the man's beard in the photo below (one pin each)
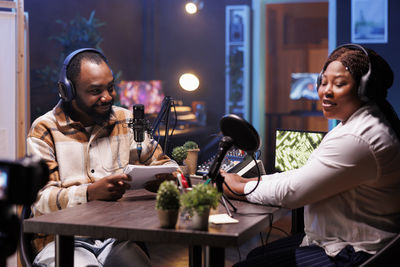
(99, 118)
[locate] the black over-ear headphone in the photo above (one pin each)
(365, 79)
(66, 88)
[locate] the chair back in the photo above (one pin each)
(25, 246)
(387, 256)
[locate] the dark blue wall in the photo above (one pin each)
(193, 43)
(389, 51)
(122, 42)
(144, 39)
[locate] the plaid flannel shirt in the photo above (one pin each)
(77, 158)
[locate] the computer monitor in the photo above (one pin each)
(304, 85)
(294, 147)
(148, 93)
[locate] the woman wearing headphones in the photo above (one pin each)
(350, 185)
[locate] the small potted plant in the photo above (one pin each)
(192, 155)
(198, 202)
(179, 154)
(168, 204)
(190, 145)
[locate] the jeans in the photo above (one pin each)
(94, 252)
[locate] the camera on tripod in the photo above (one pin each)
(21, 180)
(19, 183)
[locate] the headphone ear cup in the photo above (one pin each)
(73, 93)
(363, 89)
(66, 90)
(70, 89)
(62, 91)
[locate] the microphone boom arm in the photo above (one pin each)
(163, 115)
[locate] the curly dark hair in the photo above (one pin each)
(380, 79)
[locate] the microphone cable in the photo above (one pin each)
(255, 187)
(252, 190)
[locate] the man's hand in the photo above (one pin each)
(108, 188)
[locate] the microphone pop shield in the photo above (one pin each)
(244, 135)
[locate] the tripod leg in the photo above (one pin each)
(226, 200)
(230, 203)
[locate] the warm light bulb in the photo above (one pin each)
(189, 82)
(191, 8)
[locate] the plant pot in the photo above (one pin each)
(199, 221)
(191, 160)
(168, 218)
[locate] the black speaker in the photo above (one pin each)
(66, 89)
(365, 79)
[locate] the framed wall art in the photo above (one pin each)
(369, 21)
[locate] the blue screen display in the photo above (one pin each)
(3, 182)
(304, 85)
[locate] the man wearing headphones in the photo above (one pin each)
(86, 143)
(350, 185)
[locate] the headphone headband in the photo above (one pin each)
(66, 88)
(362, 90)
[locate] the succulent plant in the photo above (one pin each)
(179, 154)
(190, 145)
(168, 196)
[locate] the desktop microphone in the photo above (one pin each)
(239, 133)
(139, 126)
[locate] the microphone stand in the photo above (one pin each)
(163, 115)
(219, 181)
(225, 144)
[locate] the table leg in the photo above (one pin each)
(64, 250)
(215, 257)
(195, 256)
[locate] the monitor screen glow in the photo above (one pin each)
(148, 93)
(293, 148)
(304, 85)
(3, 182)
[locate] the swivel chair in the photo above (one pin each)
(25, 246)
(387, 256)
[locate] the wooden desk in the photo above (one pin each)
(135, 218)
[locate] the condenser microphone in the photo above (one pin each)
(139, 126)
(237, 132)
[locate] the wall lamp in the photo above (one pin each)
(192, 6)
(189, 82)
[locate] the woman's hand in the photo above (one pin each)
(235, 182)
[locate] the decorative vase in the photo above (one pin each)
(168, 218)
(191, 160)
(199, 221)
